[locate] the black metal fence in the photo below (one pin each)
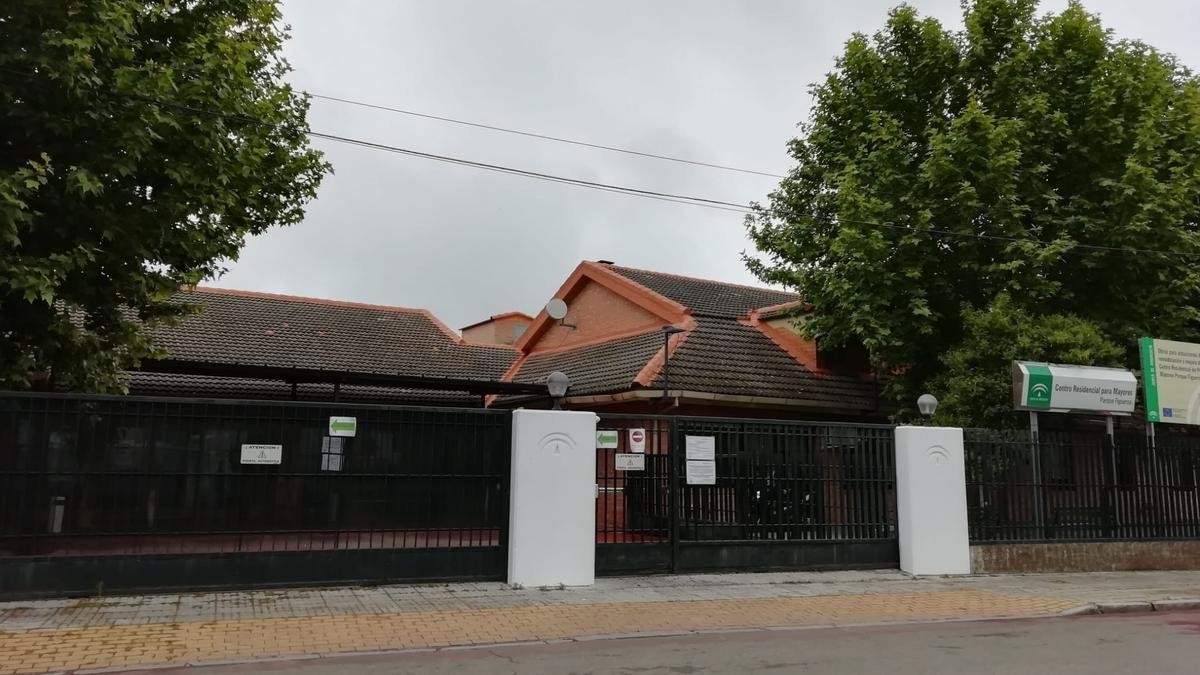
(124, 476)
(1081, 486)
(749, 494)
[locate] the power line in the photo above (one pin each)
(566, 180)
(680, 199)
(545, 137)
(636, 192)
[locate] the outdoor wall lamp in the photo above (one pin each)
(927, 404)
(557, 384)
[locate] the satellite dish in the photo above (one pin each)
(557, 309)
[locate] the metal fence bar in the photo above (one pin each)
(105, 475)
(1083, 485)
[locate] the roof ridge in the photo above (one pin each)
(306, 299)
(707, 281)
(498, 317)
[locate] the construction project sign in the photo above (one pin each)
(1171, 371)
(1054, 388)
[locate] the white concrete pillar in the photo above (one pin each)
(552, 499)
(931, 501)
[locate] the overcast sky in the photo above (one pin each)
(722, 82)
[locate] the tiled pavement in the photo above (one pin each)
(60, 635)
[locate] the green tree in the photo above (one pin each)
(940, 169)
(141, 142)
(975, 383)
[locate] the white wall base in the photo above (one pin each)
(552, 503)
(931, 501)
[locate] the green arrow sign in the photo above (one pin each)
(343, 426)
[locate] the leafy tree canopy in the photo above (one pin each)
(975, 383)
(949, 182)
(141, 142)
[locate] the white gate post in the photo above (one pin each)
(552, 499)
(931, 501)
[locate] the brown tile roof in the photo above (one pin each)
(244, 328)
(718, 355)
(705, 297)
(727, 357)
(598, 368)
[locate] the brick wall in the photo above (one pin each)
(1112, 556)
(596, 312)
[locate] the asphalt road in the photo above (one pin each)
(1154, 644)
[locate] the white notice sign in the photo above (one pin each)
(700, 472)
(631, 462)
(701, 447)
(262, 454)
(637, 440)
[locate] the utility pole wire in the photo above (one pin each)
(545, 137)
(1076, 247)
(682, 199)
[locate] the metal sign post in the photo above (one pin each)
(1035, 456)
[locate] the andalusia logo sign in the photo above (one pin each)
(1041, 384)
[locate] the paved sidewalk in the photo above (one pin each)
(70, 635)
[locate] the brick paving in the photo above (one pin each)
(119, 632)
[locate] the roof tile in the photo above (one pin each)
(726, 357)
(595, 369)
(284, 331)
(705, 297)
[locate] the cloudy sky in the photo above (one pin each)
(720, 82)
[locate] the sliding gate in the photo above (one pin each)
(120, 493)
(689, 494)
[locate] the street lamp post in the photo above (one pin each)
(668, 331)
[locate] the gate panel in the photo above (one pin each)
(134, 493)
(787, 495)
(633, 507)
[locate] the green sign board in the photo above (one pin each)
(607, 438)
(1171, 372)
(1055, 388)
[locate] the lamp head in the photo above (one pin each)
(557, 384)
(927, 404)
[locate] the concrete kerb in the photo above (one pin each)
(1182, 605)
(1125, 607)
(1138, 607)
